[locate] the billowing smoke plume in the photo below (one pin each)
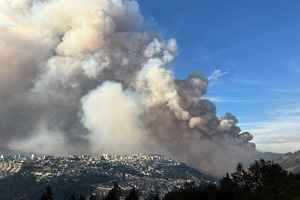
(86, 76)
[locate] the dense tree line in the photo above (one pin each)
(261, 181)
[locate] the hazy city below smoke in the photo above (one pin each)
(84, 76)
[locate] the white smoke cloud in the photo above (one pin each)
(113, 118)
(45, 140)
(94, 80)
(216, 75)
(159, 88)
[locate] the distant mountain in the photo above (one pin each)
(269, 156)
(29, 175)
(290, 162)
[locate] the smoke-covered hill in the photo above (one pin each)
(85, 174)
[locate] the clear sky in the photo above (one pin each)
(251, 52)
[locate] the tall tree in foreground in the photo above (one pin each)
(48, 194)
(133, 195)
(114, 193)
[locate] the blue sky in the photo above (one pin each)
(254, 49)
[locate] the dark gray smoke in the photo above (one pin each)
(84, 76)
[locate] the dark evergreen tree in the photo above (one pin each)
(153, 197)
(48, 194)
(92, 197)
(133, 195)
(81, 197)
(72, 197)
(114, 193)
(44, 196)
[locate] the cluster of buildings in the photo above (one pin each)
(148, 173)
